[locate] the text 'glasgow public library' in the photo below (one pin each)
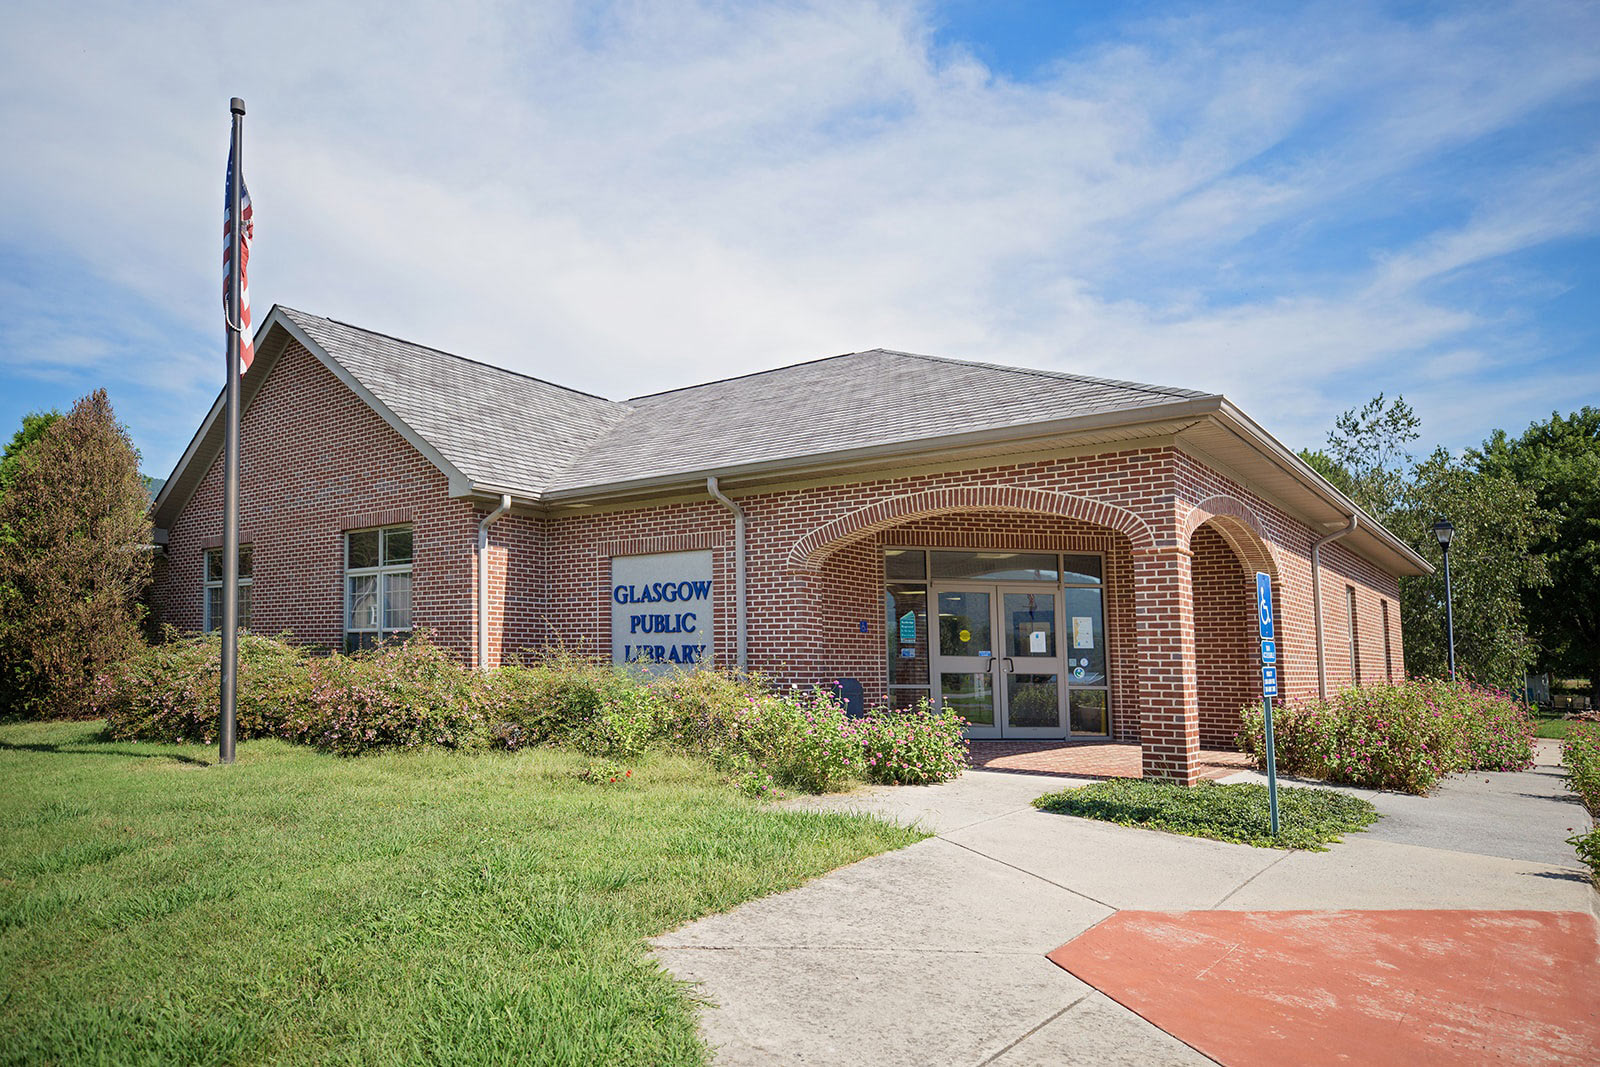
(1047, 555)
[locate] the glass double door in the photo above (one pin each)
(1005, 662)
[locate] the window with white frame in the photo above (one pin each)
(213, 584)
(377, 585)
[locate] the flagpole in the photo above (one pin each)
(230, 478)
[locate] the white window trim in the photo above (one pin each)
(380, 571)
(207, 583)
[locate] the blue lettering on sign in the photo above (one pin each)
(1269, 681)
(1264, 605)
(681, 623)
(661, 592)
(684, 654)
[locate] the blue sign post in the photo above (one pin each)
(1269, 686)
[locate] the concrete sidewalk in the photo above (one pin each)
(936, 953)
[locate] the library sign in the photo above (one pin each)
(661, 610)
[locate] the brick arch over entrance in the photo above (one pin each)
(1238, 525)
(810, 551)
(1227, 545)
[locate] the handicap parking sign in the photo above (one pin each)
(1264, 605)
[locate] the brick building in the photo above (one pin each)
(1048, 555)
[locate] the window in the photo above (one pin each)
(1355, 643)
(213, 605)
(377, 585)
(1388, 649)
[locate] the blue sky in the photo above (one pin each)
(1298, 205)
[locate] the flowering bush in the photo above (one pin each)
(799, 740)
(1404, 736)
(171, 691)
(414, 693)
(915, 747)
(1580, 752)
(399, 695)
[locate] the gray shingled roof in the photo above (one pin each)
(497, 427)
(879, 397)
(514, 432)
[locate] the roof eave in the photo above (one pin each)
(1286, 459)
(822, 462)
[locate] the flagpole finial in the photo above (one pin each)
(236, 106)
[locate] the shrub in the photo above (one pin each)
(1580, 752)
(398, 695)
(411, 694)
(915, 747)
(1588, 848)
(172, 691)
(1299, 735)
(799, 740)
(552, 697)
(1403, 736)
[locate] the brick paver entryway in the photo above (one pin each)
(1089, 759)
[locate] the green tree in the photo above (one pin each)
(1493, 558)
(1370, 446)
(33, 427)
(74, 557)
(1559, 461)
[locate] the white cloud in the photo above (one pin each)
(656, 194)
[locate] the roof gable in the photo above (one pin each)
(858, 400)
(495, 426)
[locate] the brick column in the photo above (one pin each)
(1169, 711)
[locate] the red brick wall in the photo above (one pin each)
(1226, 659)
(1203, 491)
(314, 462)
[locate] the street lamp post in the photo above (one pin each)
(1444, 530)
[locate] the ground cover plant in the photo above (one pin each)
(410, 906)
(1402, 736)
(1580, 754)
(1308, 818)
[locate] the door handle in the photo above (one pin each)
(1011, 668)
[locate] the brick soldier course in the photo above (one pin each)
(833, 463)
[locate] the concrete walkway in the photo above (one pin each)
(935, 954)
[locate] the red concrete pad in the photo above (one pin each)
(1355, 987)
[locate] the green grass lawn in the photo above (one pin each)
(1550, 724)
(1307, 818)
(425, 906)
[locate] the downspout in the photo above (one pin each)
(483, 578)
(741, 621)
(1316, 601)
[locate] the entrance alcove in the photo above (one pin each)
(1227, 663)
(1022, 622)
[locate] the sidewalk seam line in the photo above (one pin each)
(1031, 874)
(1240, 887)
(1083, 997)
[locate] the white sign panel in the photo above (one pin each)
(661, 610)
(1082, 631)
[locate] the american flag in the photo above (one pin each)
(247, 351)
